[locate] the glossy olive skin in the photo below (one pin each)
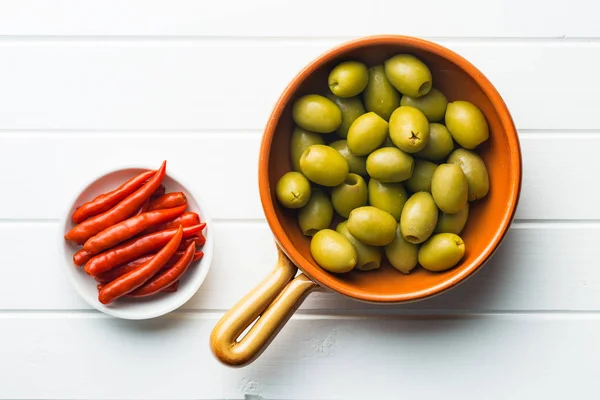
(433, 104)
(420, 180)
(389, 197)
(419, 217)
(452, 223)
(409, 129)
(316, 113)
(367, 133)
(440, 144)
(389, 164)
(293, 190)
(332, 251)
(380, 96)
(348, 78)
(409, 75)
(401, 254)
(316, 214)
(302, 140)
(475, 171)
(324, 165)
(372, 226)
(368, 257)
(350, 194)
(466, 124)
(357, 164)
(449, 188)
(351, 108)
(441, 252)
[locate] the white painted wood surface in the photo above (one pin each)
(86, 86)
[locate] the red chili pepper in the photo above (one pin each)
(136, 278)
(129, 228)
(169, 289)
(126, 208)
(106, 201)
(159, 192)
(168, 200)
(198, 239)
(134, 248)
(123, 269)
(197, 255)
(186, 219)
(81, 257)
(166, 278)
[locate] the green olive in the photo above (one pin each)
(316, 214)
(351, 107)
(332, 251)
(348, 79)
(316, 113)
(350, 194)
(466, 124)
(441, 252)
(449, 188)
(368, 257)
(420, 181)
(409, 75)
(356, 164)
(474, 169)
(301, 140)
(324, 165)
(367, 133)
(372, 226)
(293, 190)
(433, 104)
(409, 129)
(401, 254)
(419, 217)
(389, 164)
(380, 96)
(453, 223)
(440, 144)
(389, 197)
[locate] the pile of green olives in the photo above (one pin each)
(384, 167)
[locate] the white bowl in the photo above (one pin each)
(136, 308)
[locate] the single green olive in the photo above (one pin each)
(324, 165)
(420, 180)
(372, 226)
(301, 140)
(433, 104)
(449, 188)
(453, 223)
(316, 214)
(389, 197)
(351, 107)
(389, 164)
(409, 129)
(332, 251)
(356, 164)
(348, 78)
(419, 217)
(380, 96)
(474, 169)
(367, 133)
(293, 190)
(350, 194)
(401, 254)
(441, 252)
(316, 113)
(409, 75)
(368, 257)
(440, 144)
(466, 124)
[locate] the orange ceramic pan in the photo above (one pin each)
(278, 296)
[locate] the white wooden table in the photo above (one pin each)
(85, 86)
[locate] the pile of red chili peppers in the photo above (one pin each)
(138, 240)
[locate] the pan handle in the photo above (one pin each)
(273, 302)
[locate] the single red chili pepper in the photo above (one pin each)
(126, 208)
(166, 278)
(138, 277)
(81, 257)
(134, 248)
(116, 272)
(186, 219)
(106, 201)
(168, 200)
(129, 228)
(159, 192)
(169, 289)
